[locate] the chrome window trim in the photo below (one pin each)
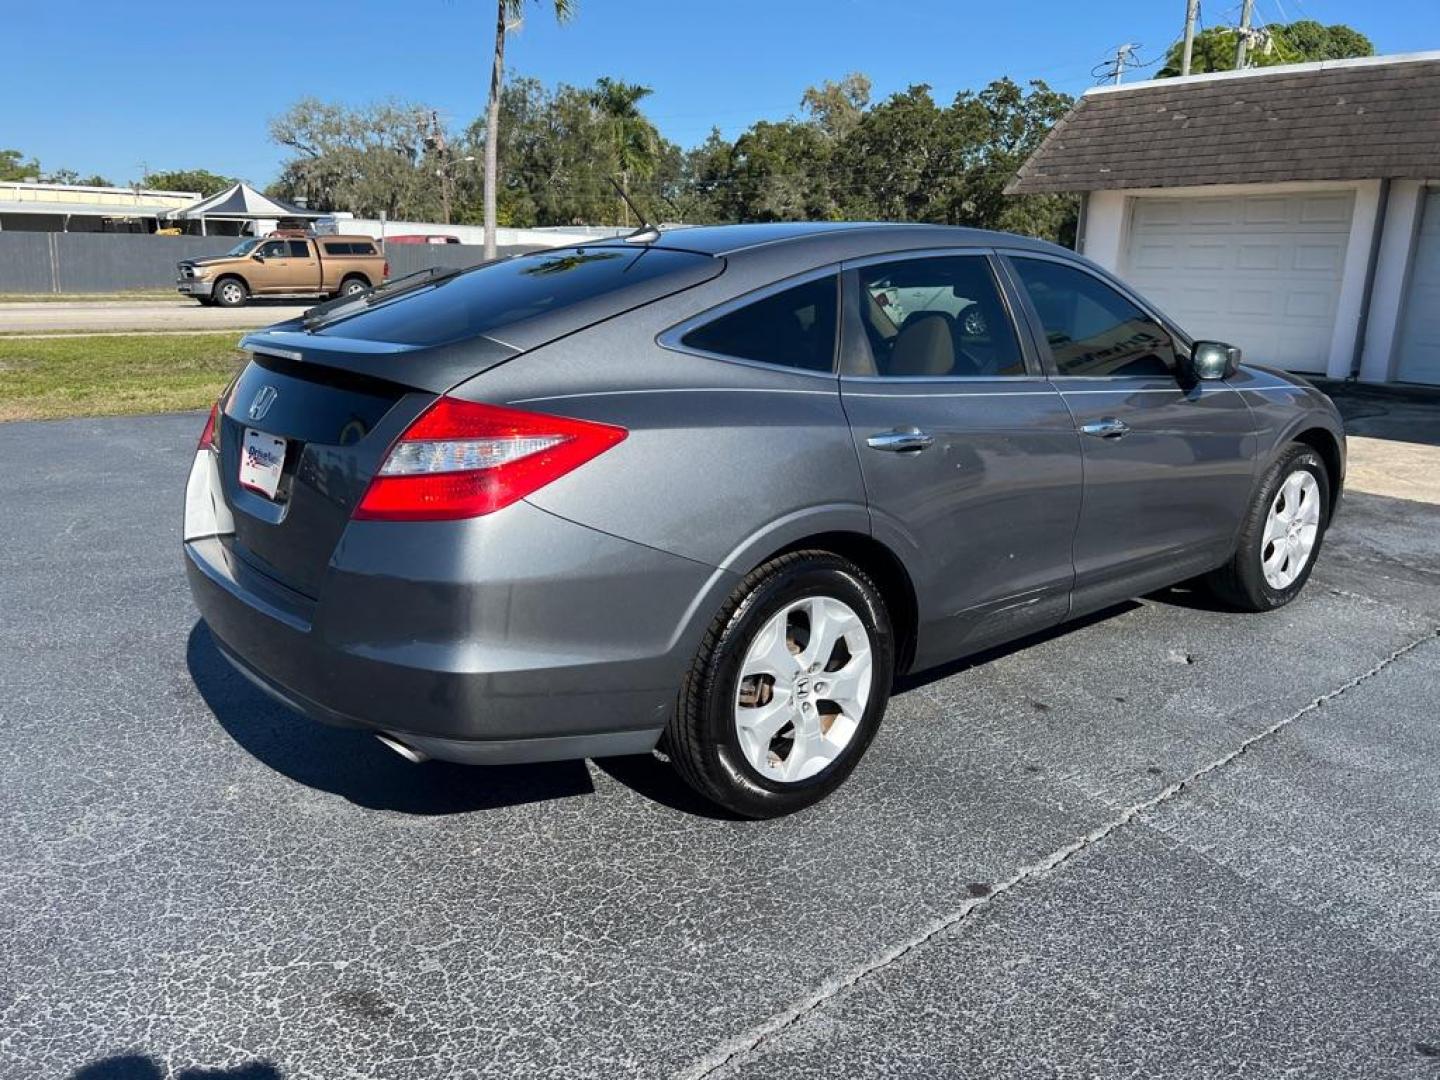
(670, 338)
(969, 379)
(900, 393)
(672, 390)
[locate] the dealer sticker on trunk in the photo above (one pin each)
(262, 457)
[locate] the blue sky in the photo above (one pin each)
(113, 88)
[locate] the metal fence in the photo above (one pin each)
(408, 258)
(36, 262)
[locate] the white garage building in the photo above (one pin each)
(1293, 211)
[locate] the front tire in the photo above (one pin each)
(1281, 535)
(788, 687)
(230, 292)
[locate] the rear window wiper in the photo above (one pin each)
(341, 306)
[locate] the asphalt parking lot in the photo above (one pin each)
(1167, 842)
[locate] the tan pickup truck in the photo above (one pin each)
(284, 264)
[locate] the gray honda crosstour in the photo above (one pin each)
(712, 489)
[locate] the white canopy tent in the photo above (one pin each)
(241, 202)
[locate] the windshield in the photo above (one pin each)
(508, 291)
(244, 247)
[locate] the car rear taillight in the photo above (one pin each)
(461, 459)
(208, 440)
(385, 273)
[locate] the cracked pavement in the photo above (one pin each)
(1169, 841)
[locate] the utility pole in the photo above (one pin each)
(1246, 10)
(1192, 12)
(436, 142)
(1122, 54)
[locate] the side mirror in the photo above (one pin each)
(1213, 360)
(258, 257)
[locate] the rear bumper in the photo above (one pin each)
(538, 640)
(464, 751)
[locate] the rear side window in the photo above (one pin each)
(1092, 329)
(299, 249)
(792, 328)
(510, 291)
(937, 318)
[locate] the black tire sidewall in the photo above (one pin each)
(819, 577)
(346, 290)
(1252, 571)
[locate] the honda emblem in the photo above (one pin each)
(264, 398)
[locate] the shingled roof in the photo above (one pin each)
(1337, 120)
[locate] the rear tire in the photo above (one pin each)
(230, 292)
(352, 286)
(764, 745)
(1281, 535)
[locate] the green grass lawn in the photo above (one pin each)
(48, 378)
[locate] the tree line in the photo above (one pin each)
(15, 166)
(907, 157)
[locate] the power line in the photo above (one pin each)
(1125, 59)
(1113, 70)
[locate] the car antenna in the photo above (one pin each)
(646, 233)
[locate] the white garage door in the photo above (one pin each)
(1259, 271)
(1419, 339)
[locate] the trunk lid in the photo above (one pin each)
(337, 425)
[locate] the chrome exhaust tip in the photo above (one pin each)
(409, 753)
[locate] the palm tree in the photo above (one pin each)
(506, 13)
(618, 103)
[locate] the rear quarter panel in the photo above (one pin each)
(724, 462)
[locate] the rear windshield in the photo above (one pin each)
(508, 291)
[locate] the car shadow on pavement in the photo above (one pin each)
(140, 1067)
(655, 779)
(353, 764)
(915, 679)
(1192, 595)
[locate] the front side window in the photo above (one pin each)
(792, 328)
(1092, 329)
(938, 318)
(274, 249)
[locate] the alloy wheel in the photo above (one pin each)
(803, 688)
(1291, 529)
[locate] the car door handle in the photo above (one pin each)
(1108, 428)
(900, 441)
